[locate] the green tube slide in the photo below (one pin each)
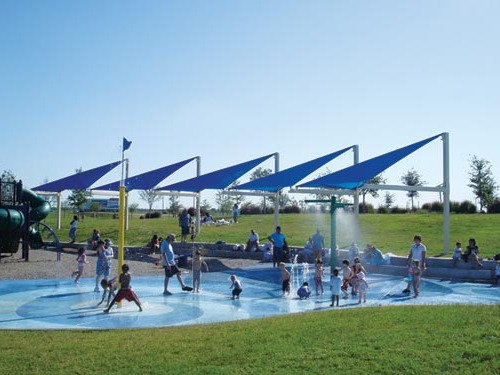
(12, 220)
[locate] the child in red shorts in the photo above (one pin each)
(125, 291)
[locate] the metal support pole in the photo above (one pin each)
(446, 193)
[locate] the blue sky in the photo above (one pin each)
(231, 81)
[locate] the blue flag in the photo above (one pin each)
(126, 144)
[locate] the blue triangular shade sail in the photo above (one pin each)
(145, 181)
(82, 180)
(356, 175)
(219, 179)
(290, 176)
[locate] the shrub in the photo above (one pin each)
(366, 209)
(494, 208)
(467, 207)
(382, 210)
(455, 207)
(293, 209)
(153, 215)
(398, 210)
(250, 209)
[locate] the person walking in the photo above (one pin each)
(169, 265)
(72, 229)
(418, 251)
(81, 262)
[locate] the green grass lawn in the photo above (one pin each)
(385, 340)
(390, 233)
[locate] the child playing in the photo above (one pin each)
(415, 273)
(457, 254)
(236, 286)
(335, 285)
(198, 262)
(81, 262)
(285, 278)
(304, 291)
(318, 276)
(362, 286)
(125, 291)
(109, 287)
(346, 278)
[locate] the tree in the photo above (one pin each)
(377, 180)
(133, 207)
(223, 201)
(255, 175)
(412, 178)
(482, 182)
(150, 196)
(388, 199)
(175, 205)
(238, 199)
(78, 197)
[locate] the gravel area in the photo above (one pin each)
(43, 264)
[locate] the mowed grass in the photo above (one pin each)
(386, 340)
(389, 233)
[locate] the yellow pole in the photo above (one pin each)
(121, 232)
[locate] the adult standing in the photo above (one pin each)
(169, 265)
(184, 223)
(235, 213)
(278, 241)
(318, 243)
(418, 251)
(102, 265)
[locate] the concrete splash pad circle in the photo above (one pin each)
(60, 304)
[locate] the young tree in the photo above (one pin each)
(150, 196)
(175, 205)
(238, 199)
(377, 180)
(388, 199)
(259, 173)
(223, 201)
(78, 197)
(412, 178)
(482, 182)
(133, 207)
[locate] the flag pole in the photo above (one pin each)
(121, 214)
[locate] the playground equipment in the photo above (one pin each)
(21, 211)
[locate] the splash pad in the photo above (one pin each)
(60, 304)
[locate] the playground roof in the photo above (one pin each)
(290, 176)
(357, 175)
(80, 180)
(219, 179)
(147, 180)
